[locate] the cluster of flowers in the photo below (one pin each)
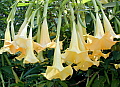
(78, 52)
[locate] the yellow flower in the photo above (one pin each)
(95, 56)
(37, 47)
(100, 41)
(21, 38)
(7, 36)
(57, 70)
(80, 34)
(76, 53)
(83, 65)
(30, 56)
(7, 41)
(106, 42)
(44, 38)
(107, 26)
(9, 46)
(98, 53)
(98, 32)
(44, 35)
(23, 53)
(117, 66)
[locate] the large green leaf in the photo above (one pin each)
(111, 4)
(7, 69)
(99, 82)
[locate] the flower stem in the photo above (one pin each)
(1, 76)
(91, 80)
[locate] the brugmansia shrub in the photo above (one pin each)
(61, 44)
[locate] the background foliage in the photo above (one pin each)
(29, 74)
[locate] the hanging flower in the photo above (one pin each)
(100, 41)
(30, 56)
(57, 70)
(76, 53)
(44, 35)
(44, 38)
(21, 38)
(9, 46)
(108, 27)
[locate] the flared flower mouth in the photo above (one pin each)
(57, 70)
(83, 65)
(75, 57)
(101, 43)
(30, 57)
(54, 73)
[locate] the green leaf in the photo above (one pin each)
(32, 70)
(99, 82)
(111, 4)
(33, 75)
(20, 84)
(63, 84)
(115, 83)
(41, 85)
(7, 69)
(49, 84)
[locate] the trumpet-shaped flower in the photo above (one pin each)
(7, 36)
(57, 70)
(81, 41)
(44, 38)
(106, 42)
(71, 53)
(99, 32)
(108, 27)
(21, 38)
(100, 41)
(30, 56)
(44, 35)
(9, 46)
(76, 53)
